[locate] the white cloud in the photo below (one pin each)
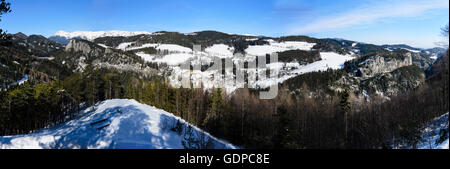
(371, 13)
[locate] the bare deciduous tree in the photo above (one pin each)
(444, 33)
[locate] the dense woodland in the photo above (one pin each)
(300, 56)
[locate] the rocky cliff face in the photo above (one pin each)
(369, 66)
(392, 83)
(377, 64)
(386, 74)
(81, 54)
(440, 65)
(84, 47)
(422, 60)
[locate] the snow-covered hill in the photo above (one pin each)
(119, 124)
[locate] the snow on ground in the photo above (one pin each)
(124, 46)
(103, 45)
(170, 59)
(432, 134)
(191, 34)
(366, 94)
(22, 81)
(330, 60)
(220, 50)
(171, 48)
(261, 50)
(118, 124)
(174, 59)
(415, 51)
(19, 82)
(252, 39)
(146, 57)
(174, 48)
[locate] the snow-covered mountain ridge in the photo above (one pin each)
(90, 35)
(119, 124)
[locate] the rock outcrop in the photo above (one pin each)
(80, 46)
(81, 54)
(369, 66)
(383, 73)
(397, 81)
(421, 60)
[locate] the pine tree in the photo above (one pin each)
(213, 115)
(345, 109)
(5, 7)
(283, 137)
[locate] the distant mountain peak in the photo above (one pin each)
(20, 35)
(63, 37)
(90, 35)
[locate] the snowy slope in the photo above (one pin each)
(272, 47)
(432, 134)
(19, 82)
(22, 81)
(329, 60)
(118, 124)
(87, 35)
(220, 50)
(170, 59)
(171, 48)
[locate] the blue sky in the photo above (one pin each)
(413, 22)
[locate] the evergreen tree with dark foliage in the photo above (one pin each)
(213, 116)
(5, 7)
(345, 109)
(283, 135)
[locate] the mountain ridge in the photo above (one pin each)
(92, 35)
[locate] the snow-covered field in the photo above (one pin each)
(118, 124)
(174, 59)
(261, 50)
(220, 50)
